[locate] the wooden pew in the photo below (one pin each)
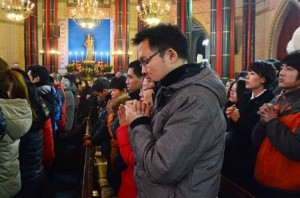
(229, 189)
(88, 181)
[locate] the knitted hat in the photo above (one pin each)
(3, 68)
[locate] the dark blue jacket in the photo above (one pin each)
(31, 144)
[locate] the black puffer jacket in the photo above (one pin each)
(31, 144)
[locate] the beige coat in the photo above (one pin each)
(18, 115)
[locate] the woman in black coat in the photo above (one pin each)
(244, 117)
(31, 147)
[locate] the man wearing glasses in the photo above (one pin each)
(179, 150)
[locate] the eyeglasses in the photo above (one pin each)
(147, 60)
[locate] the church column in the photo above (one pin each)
(216, 35)
(226, 39)
(46, 34)
(188, 33)
(31, 41)
(181, 15)
(232, 40)
(184, 21)
(121, 35)
(212, 41)
(54, 37)
(117, 40)
(125, 40)
(52, 40)
(248, 33)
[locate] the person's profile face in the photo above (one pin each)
(133, 82)
(153, 64)
(253, 80)
(233, 93)
(101, 94)
(115, 93)
(288, 78)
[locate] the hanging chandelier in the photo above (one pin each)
(152, 11)
(16, 9)
(87, 14)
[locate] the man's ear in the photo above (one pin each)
(172, 55)
(36, 79)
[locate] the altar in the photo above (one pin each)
(88, 51)
(87, 70)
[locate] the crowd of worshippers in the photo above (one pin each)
(166, 128)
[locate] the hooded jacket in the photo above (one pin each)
(18, 116)
(278, 160)
(31, 144)
(179, 152)
(61, 122)
(48, 98)
(128, 187)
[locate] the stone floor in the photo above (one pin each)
(64, 177)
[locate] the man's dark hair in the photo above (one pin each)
(264, 69)
(162, 37)
(293, 60)
(39, 71)
(275, 62)
(118, 83)
(100, 84)
(137, 69)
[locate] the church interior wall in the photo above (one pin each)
(12, 42)
(12, 33)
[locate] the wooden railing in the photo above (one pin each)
(230, 189)
(227, 189)
(88, 172)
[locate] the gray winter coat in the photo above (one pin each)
(18, 116)
(181, 153)
(70, 109)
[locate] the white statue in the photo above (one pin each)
(89, 44)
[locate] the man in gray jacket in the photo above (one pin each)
(179, 144)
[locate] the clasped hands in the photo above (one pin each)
(267, 112)
(233, 113)
(132, 110)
